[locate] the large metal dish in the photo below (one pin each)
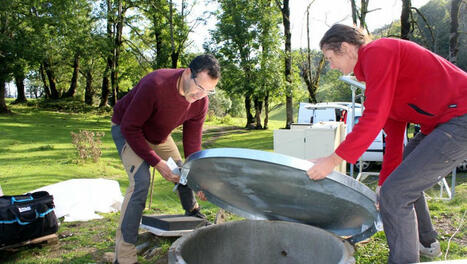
(264, 185)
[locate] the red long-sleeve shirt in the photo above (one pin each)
(404, 83)
(153, 108)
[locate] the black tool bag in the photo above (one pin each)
(24, 217)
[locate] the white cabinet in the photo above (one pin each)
(310, 141)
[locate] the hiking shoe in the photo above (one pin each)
(196, 213)
(432, 252)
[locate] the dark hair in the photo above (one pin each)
(339, 33)
(206, 62)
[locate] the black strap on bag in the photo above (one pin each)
(28, 216)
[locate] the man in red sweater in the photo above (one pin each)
(405, 83)
(141, 128)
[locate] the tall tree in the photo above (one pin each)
(105, 91)
(115, 18)
(44, 81)
(363, 12)
(179, 31)
(156, 11)
(354, 11)
(57, 29)
(453, 37)
(15, 47)
(121, 10)
(311, 79)
(19, 81)
(285, 10)
(5, 54)
(11, 56)
(247, 42)
(3, 108)
(236, 33)
(409, 23)
(405, 19)
(74, 79)
(269, 78)
(51, 78)
(92, 64)
(77, 32)
(359, 13)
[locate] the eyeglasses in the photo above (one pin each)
(208, 92)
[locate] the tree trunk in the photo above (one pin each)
(288, 63)
(51, 76)
(109, 70)
(112, 100)
(266, 111)
(19, 81)
(3, 108)
(44, 81)
(37, 94)
(177, 51)
(249, 117)
(173, 54)
(258, 109)
(160, 60)
(74, 79)
(312, 81)
(354, 12)
(105, 88)
(315, 81)
(116, 58)
(88, 93)
(405, 23)
(363, 12)
(453, 37)
(308, 37)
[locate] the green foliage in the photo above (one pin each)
(36, 32)
(219, 103)
(437, 14)
(65, 105)
(332, 89)
(237, 108)
(247, 40)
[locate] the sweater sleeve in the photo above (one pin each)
(395, 132)
(193, 131)
(137, 113)
(380, 66)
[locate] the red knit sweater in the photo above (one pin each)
(404, 83)
(153, 108)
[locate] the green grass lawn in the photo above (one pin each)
(36, 150)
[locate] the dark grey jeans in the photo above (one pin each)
(427, 160)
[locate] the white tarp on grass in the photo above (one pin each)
(80, 199)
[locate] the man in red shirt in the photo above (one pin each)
(141, 128)
(405, 83)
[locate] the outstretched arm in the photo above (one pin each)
(323, 166)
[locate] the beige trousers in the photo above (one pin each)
(136, 193)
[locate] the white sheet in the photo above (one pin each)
(80, 199)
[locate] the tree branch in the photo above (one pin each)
(426, 22)
(135, 50)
